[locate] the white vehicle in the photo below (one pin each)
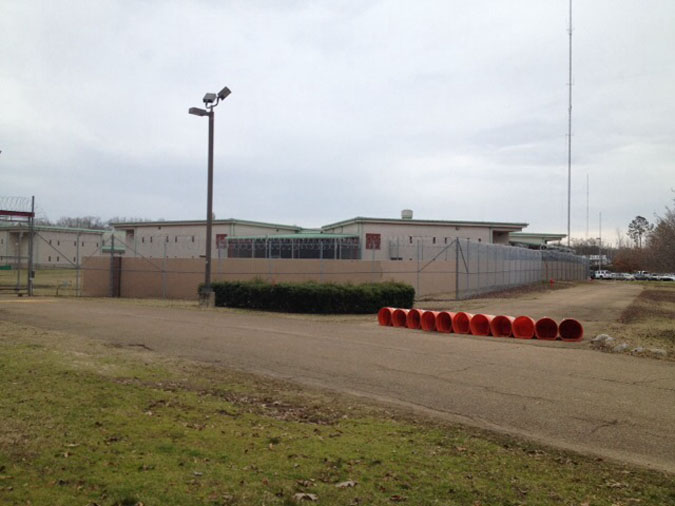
(667, 277)
(603, 275)
(627, 277)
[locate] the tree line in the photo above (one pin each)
(88, 222)
(652, 246)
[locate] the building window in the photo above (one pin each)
(446, 240)
(50, 241)
(74, 260)
(58, 243)
(410, 239)
(74, 243)
(434, 241)
(143, 239)
(83, 243)
(150, 238)
(193, 238)
(373, 241)
(49, 258)
(175, 239)
(167, 238)
(58, 259)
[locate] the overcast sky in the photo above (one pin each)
(455, 109)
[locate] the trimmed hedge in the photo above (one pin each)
(312, 297)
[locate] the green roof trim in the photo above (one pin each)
(227, 221)
(52, 228)
(453, 223)
(301, 235)
(533, 238)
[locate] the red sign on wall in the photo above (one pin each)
(373, 241)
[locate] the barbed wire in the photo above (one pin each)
(19, 204)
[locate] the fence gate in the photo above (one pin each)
(16, 254)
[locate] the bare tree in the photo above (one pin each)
(90, 222)
(661, 243)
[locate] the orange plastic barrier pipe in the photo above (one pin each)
(384, 316)
(480, 324)
(399, 317)
(523, 327)
(546, 329)
(461, 322)
(429, 320)
(444, 321)
(571, 330)
(502, 326)
(414, 319)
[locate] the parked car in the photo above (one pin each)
(600, 274)
(667, 277)
(626, 276)
(642, 275)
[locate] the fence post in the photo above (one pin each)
(77, 266)
(418, 266)
(456, 268)
(321, 260)
(31, 236)
(164, 271)
(468, 265)
(478, 268)
(112, 264)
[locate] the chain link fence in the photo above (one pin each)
(173, 266)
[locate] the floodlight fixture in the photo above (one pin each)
(211, 100)
(222, 94)
(198, 112)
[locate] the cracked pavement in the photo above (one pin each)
(566, 395)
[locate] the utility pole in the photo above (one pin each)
(31, 236)
(587, 207)
(600, 244)
(569, 136)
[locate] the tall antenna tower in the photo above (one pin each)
(587, 207)
(569, 136)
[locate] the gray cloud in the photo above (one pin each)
(455, 109)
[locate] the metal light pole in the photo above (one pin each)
(210, 100)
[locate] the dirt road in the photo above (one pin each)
(616, 406)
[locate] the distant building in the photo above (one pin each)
(355, 238)
(52, 246)
(533, 240)
(597, 261)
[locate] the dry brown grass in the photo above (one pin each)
(649, 321)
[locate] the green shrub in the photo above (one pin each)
(312, 297)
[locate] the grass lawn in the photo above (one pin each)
(46, 282)
(83, 423)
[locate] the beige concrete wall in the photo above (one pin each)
(180, 278)
(96, 277)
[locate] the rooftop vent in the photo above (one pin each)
(406, 214)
